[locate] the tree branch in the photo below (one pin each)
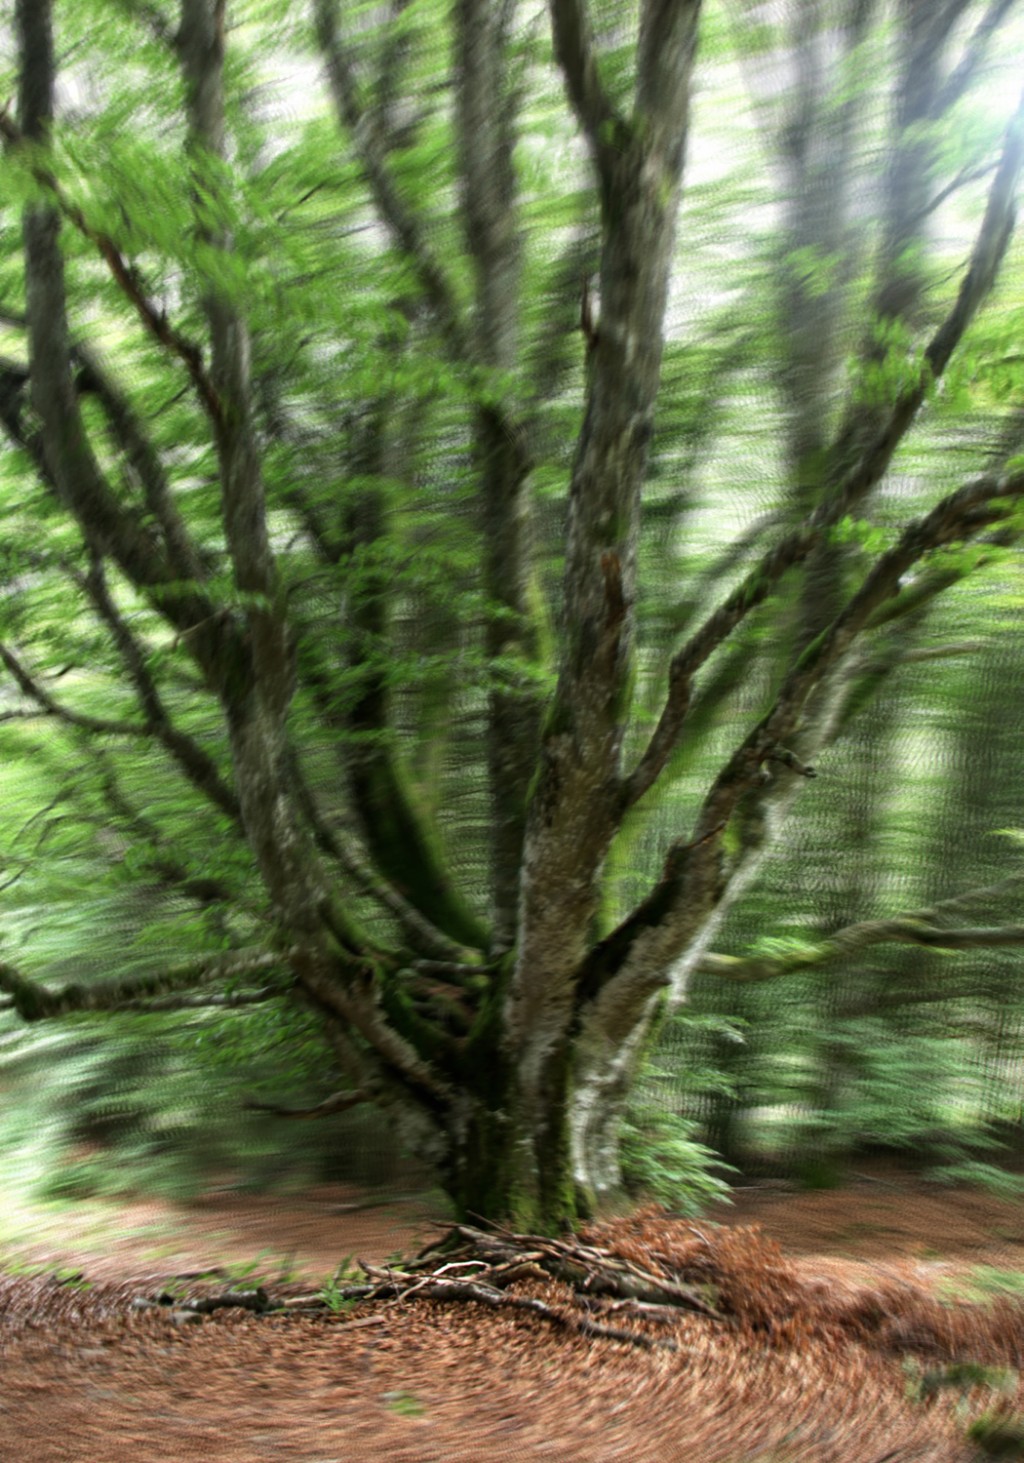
(102, 522)
(988, 253)
(957, 516)
(191, 759)
(966, 175)
(665, 51)
(337, 1102)
(144, 460)
(124, 274)
(421, 934)
(986, 258)
(36, 1002)
(228, 1000)
(188, 755)
(372, 149)
(51, 707)
(974, 54)
(639, 954)
(60, 445)
(575, 54)
(152, 17)
(917, 927)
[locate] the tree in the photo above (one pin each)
(297, 402)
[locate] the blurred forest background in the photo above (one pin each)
(841, 161)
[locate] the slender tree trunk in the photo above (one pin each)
(487, 117)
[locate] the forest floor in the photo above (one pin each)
(832, 1335)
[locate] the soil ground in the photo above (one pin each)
(876, 1285)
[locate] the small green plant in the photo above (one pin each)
(71, 1279)
(662, 1160)
(957, 1376)
(332, 1297)
(241, 1271)
(998, 1434)
(404, 1403)
(331, 1293)
(246, 1269)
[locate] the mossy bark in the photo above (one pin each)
(505, 1169)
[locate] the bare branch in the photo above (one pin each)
(30, 687)
(974, 54)
(227, 1000)
(924, 653)
(575, 54)
(965, 176)
(337, 1102)
(36, 1002)
(789, 759)
(993, 240)
(457, 970)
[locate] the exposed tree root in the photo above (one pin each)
(470, 1265)
(591, 1270)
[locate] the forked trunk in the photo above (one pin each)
(542, 1155)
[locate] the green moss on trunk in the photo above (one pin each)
(403, 849)
(504, 1164)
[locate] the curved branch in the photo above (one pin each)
(975, 51)
(574, 52)
(638, 955)
(918, 927)
(988, 253)
(196, 764)
(63, 454)
(51, 707)
(184, 750)
(960, 515)
(854, 485)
